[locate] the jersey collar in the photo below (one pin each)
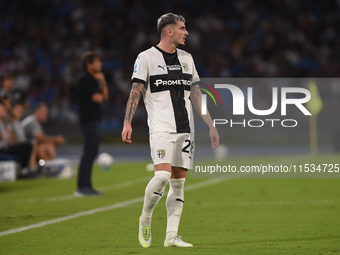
(166, 53)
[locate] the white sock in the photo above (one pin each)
(174, 206)
(153, 193)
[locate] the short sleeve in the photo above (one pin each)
(18, 131)
(140, 69)
(34, 128)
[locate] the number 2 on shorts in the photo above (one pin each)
(189, 144)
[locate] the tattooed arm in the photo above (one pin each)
(131, 107)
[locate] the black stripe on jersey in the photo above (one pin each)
(180, 112)
(176, 82)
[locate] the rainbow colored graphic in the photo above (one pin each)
(209, 93)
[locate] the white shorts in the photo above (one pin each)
(173, 148)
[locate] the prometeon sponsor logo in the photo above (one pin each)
(239, 105)
(160, 82)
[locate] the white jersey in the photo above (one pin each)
(167, 79)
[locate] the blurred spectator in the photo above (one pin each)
(11, 95)
(17, 134)
(34, 132)
(20, 151)
(5, 90)
(7, 85)
(22, 80)
(14, 121)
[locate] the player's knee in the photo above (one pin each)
(163, 177)
(177, 183)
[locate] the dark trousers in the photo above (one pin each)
(20, 151)
(91, 138)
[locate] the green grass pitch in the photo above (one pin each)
(229, 216)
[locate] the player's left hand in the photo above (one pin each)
(126, 133)
(215, 138)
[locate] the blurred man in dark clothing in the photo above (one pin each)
(91, 91)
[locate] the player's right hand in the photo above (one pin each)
(126, 133)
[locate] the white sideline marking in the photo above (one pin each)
(127, 183)
(103, 209)
(69, 197)
(73, 216)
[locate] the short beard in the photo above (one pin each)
(181, 44)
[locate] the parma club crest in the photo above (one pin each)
(185, 66)
(161, 153)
